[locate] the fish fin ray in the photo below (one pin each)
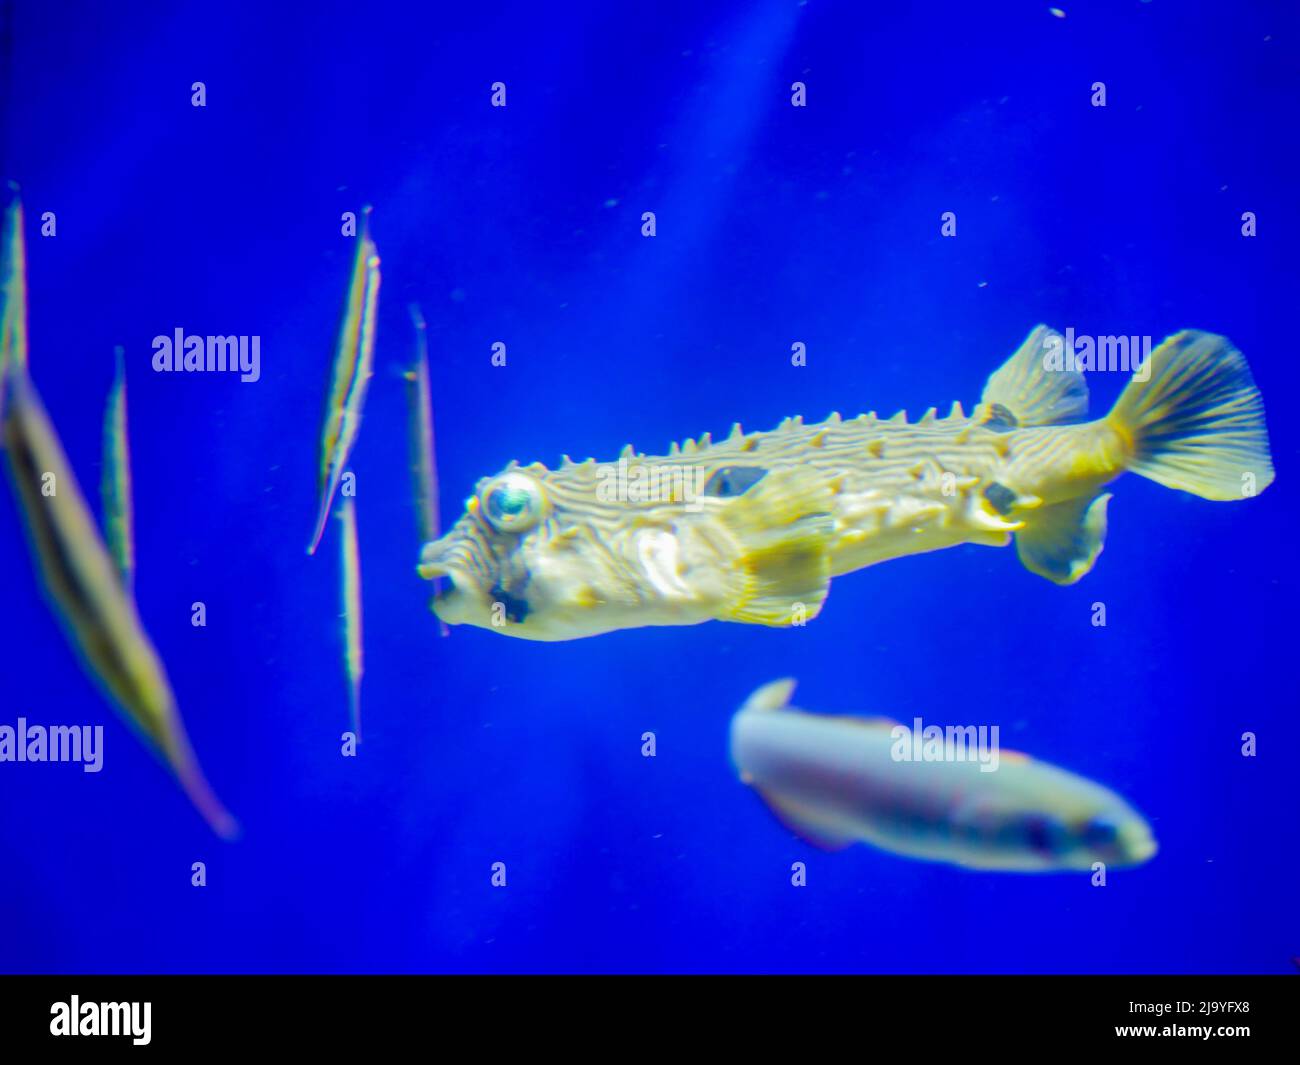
(782, 527)
(1062, 541)
(1024, 388)
(1194, 419)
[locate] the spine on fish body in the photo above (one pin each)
(1023, 462)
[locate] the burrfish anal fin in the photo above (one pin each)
(1062, 541)
(803, 823)
(1034, 387)
(782, 527)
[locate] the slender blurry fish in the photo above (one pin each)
(13, 323)
(424, 455)
(85, 588)
(13, 286)
(840, 780)
(115, 481)
(753, 528)
(353, 659)
(353, 367)
(81, 580)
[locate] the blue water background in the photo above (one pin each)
(522, 225)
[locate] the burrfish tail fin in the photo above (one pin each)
(1033, 387)
(1063, 540)
(1193, 419)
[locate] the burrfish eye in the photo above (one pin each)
(513, 503)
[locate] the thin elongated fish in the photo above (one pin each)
(752, 528)
(424, 454)
(13, 286)
(423, 447)
(841, 780)
(13, 323)
(86, 591)
(115, 482)
(353, 368)
(350, 559)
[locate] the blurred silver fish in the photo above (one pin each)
(83, 582)
(85, 588)
(840, 780)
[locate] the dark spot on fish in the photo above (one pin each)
(1100, 832)
(731, 481)
(1000, 420)
(1043, 834)
(517, 608)
(1000, 497)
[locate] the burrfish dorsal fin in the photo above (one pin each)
(1034, 387)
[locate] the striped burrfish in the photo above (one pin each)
(752, 528)
(840, 780)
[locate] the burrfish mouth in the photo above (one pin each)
(452, 592)
(433, 562)
(432, 571)
(452, 602)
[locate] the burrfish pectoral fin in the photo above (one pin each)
(782, 527)
(802, 821)
(1062, 541)
(1034, 386)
